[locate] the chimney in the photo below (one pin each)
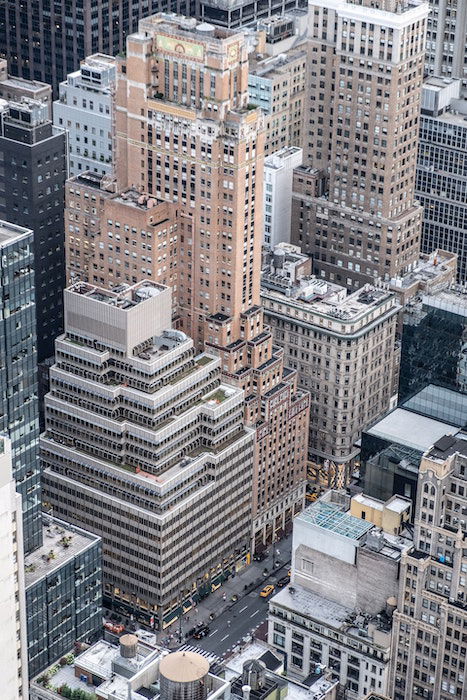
(246, 690)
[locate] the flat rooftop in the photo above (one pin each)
(447, 446)
(276, 159)
(90, 179)
(316, 689)
(410, 429)
(134, 198)
(180, 26)
(327, 299)
(301, 601)
(123, 296)
(304, 602)
(10, 232)
(427, 269)
(330, 516)
(61, 542)
(271, 64)
(453, 300)
(33, 86)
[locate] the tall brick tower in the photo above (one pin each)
(186, 133)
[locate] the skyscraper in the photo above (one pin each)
(429, 640)
(187, 133)
(19, 412)
(441, 172)
(85, 109)
(32, 181)
(226, 13)
(343, 347)
(365, 68)
(13, 643)
(46, 41)
(146, 447)
(446, 40)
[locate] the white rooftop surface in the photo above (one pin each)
(398, 505)
(305, 602)
(369, 501)
(411, 429)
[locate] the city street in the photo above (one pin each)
(229, 621)
(235, 620)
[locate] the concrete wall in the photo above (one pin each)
(327, 576)
(377, 580)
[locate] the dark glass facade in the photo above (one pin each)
(19, 413)
(63, 593)
(434, 345)
(32, 181)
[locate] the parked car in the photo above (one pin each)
(260, 556)
(283, 581)
(201, 632)
(266, 591)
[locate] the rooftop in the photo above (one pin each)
(410, 429)
(90, 179)
(447, 446)
(326, 299)
(301, 601)
(10, 233)
(27, 85)
(123, 296)
(315, 689)
(271, 64)
(180, 26)
(61, 542)
(428, 268)
(453, 300)
(331, 517)
(134, 198)
(276, 159)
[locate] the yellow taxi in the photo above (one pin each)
(267, 590)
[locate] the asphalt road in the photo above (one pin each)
(240, 620)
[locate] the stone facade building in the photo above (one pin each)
(365, 68)
(430, 624)
(341, 346)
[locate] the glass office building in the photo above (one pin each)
(434, 344)
(19, 412)
(63, 593)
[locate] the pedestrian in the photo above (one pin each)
(228, 623)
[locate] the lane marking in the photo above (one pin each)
(255, 613)
(243, 608)
(226, 637)
(213, 633)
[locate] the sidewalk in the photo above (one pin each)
(243, 583)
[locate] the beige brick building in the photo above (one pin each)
(365, 69)
(188, 137)
(430, 625)
(134, 236)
